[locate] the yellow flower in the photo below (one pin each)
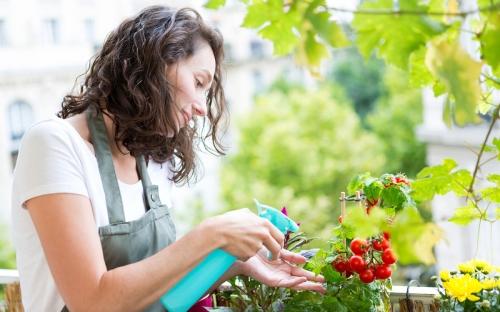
(445, 275)
(463, 287)
(489, 283)
(467, 267)
(482, 266)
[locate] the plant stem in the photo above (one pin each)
(483, 146)
(477, 240)
(490, 8)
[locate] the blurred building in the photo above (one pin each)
(461, 144)
(46, 44)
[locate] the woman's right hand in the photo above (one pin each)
(243, 233)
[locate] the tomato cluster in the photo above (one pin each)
(370, 259)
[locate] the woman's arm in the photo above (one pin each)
(67, 231)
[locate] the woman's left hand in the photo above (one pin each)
(282, 272)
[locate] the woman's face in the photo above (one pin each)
(192, 78)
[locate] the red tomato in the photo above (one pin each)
(377, 244)
(367, 276)
(387, 235)
(388, 256)
(385, 244)
(359, 246)
(357, 264)
(340, 265)
(383, 271)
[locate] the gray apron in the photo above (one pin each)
(128, 242)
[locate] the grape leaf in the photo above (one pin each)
(460, 73)
(214, 4)
(433, 180)
(465, 215)
(461, 180)
(492, 193)
(327, 29)
(364, 225)
(415, 239)
(394, 44)
(490, 45)
(281, 32)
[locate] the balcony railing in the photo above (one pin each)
(403, 299)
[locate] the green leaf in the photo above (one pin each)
(497, 213)
(461, 180)
(393, 197)
(330, 275)
(214, 4)
(365, 225)
(460, 73)
(394, 44)
(490, 45)
(438, 88)
(433, 180)
(281, 32)
(357, 182)
(489, 148)
(328, 30)
(495, 178)
(415, 239)
(259, 13)
(358, 296)
(373, 190)
(316, 263)
(496, 143)
(332, 304)
(313, 51)
(439, 170)
(465, 215)
(492, 193)
(305, 301)
(419, 73)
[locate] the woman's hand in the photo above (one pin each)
(282, 272)
(243, 233)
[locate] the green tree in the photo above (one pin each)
(7, 254)
(362, 80)
(299, 149)
(394, 121)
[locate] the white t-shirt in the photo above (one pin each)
(53, 158)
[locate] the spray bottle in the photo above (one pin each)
(192, 286)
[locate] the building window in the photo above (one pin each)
(228, 52)
(90, 34)
(256, 49)
(3, 33)
(51, 31)
(258, 82)
(20, 117)
(89, 28)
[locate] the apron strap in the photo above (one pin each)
(99, 136)
(150, 191)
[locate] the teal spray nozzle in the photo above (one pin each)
(192, 286)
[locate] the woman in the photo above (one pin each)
(91, 189)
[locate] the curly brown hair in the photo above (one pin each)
(127, 78)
